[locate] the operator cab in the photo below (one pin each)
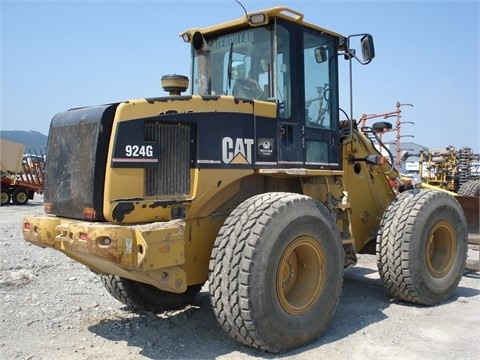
(274, 56)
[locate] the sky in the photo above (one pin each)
(57, 55)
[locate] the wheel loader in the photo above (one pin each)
(255, 181)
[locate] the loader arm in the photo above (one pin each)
(367, 182)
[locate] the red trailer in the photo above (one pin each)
(21, 175)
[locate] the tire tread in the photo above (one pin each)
(393, 247)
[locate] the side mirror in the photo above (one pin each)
(320, 54)
(368, 49)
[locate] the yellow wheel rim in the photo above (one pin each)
(441, 249)
(300, 275)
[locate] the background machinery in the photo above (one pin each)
(251, 182)
(448, 168)
(21, 174)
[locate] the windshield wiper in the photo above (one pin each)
(229, 68)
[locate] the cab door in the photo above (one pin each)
(307, 84)
(320, 93)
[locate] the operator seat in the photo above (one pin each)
(248, 88)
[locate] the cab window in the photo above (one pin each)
(317, 53)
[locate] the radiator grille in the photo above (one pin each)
(172, 176)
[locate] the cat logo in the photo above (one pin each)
(237, 151)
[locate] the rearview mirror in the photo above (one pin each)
(368, 50)
(320, 54)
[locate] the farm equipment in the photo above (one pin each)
(448, 168)
(21, 175)
(251, 182)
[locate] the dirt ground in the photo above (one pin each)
(52, 308)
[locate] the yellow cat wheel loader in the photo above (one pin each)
(251, 182)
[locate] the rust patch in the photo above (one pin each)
(167, 203)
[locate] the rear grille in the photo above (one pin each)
(172, 176)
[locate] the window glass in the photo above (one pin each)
(235, 64)
(317, 55)
(316, 152)
(252, 63)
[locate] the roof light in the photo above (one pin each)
(186, 37)
(257, 19)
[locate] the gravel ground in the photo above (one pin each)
(52, 307)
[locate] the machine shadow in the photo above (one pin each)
(361, 303)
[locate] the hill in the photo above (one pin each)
(33, 140)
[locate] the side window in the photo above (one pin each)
(316, 55)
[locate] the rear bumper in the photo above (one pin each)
(150, 253)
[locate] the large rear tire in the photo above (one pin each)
(19, 197)
(140, 296)
(5, 197)
(422, 246)
(276, 271)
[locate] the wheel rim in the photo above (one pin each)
(21, 197)
(441, 249)
(300, 275)
(4, 198)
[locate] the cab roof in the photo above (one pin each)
(259, 18)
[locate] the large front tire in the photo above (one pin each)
(422, 246)
(140, 296)
(276, 271)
